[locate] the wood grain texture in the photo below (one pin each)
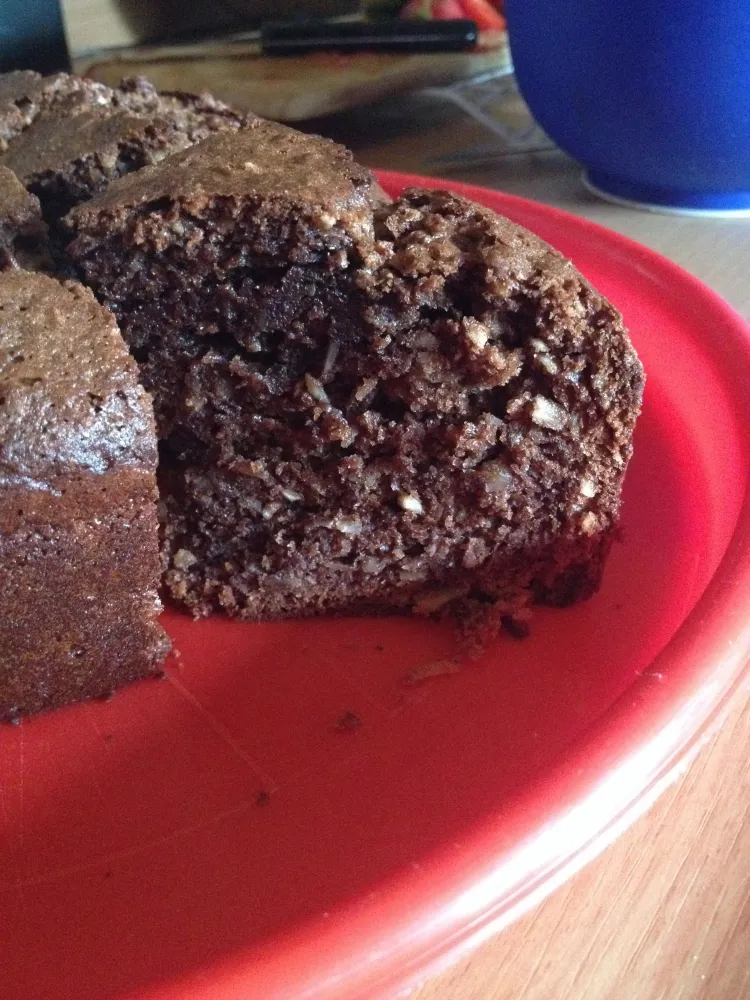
(96, 24)
(664, 913)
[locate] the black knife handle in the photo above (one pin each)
(286, 38)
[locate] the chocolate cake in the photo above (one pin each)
(361, 406)
(22, 232)
(78, 530)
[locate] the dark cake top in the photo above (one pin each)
(24, 94)
(197, 115)
(69, 394)
(262, 161)
(54, 141)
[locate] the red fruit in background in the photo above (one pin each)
(447, 10)
(484, 14)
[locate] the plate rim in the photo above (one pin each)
(403, 935)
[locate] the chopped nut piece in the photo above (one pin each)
(316, 390)
(496, 475)
(330, 360)
(365, 389)
(183, 559)
(589, 523)
(291, 495)
(588, 488)
(410, 502)
(348, 525)
(546, 413)
(326, 220)
(548, 364)
(476, 333)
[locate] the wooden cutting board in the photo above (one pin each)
(293, 88)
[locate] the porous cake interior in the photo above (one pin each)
(364, 406)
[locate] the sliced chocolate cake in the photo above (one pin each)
(361, 406)
(78, 531)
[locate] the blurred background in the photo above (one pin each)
(651, 100)
(448, 59)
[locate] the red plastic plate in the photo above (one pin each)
(216, 836)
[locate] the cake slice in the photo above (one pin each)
(224, 246)
(25, 94)
(66, 159)
(78, 530)
(67, 137)
(361, 406)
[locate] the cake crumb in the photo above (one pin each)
(515, 626)
(348, 722)
(435, 668)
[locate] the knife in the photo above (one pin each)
(286, 38)
(280, 38)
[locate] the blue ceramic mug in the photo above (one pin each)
(652, 96)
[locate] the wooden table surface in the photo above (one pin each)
(664, 913)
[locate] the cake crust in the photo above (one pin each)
(67, 159)
(71, 398)
(197, 115)
(277, 169)
(78, 530)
